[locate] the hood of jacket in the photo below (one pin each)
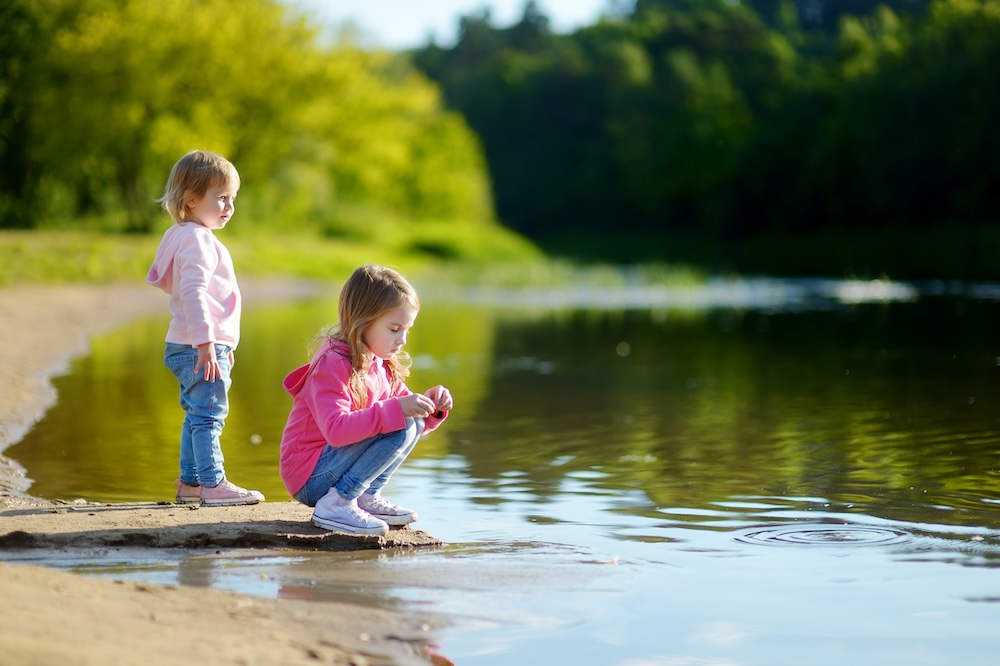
(296, 379)
(161, 272)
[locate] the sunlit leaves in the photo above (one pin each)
(864, 41)
(127, 87)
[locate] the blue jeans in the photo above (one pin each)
(206, 405)
(364, 466)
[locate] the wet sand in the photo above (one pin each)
(55, 617)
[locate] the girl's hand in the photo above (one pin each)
(416, 405)
(208, 361)
(441, 397)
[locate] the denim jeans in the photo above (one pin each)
(206, 405)
(364, 466)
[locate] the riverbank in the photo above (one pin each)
(57, 617)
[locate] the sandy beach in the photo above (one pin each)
(55, 617)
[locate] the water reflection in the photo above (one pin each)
(799, 473)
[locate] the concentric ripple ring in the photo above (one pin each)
(823, 535)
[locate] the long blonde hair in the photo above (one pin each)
(196, 172)
(370, 292)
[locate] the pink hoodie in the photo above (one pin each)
(197, 271)
(322, 412)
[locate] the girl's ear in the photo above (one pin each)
(191, 199)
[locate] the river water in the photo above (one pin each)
(744, 472)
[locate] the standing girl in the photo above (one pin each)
(353, 420)
(197, 271)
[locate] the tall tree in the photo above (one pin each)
(121, 88)
(21, 43)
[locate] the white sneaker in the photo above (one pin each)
(347, 518)
(381, 508)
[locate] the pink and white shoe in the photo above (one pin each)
(187, 494)
(229, 494)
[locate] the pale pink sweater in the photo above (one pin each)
(197, 271)
(322, 412)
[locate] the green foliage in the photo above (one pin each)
(45, 257)
(705, 127)
(106, 95)
(20, 46)
(675, 130)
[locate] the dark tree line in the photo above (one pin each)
(693, 129)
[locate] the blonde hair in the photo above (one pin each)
(370, 292)
(195, 173)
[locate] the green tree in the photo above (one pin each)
(917, 103)
(119, 90)
(126, 97)
(20, 49)
(703, 129)
(627, 123)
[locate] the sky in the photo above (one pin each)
(402, 24)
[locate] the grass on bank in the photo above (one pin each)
(498, 259)
(60, 257)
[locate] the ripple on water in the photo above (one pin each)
(823, 535)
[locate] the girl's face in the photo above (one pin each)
(386, 335)
(213, 209)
